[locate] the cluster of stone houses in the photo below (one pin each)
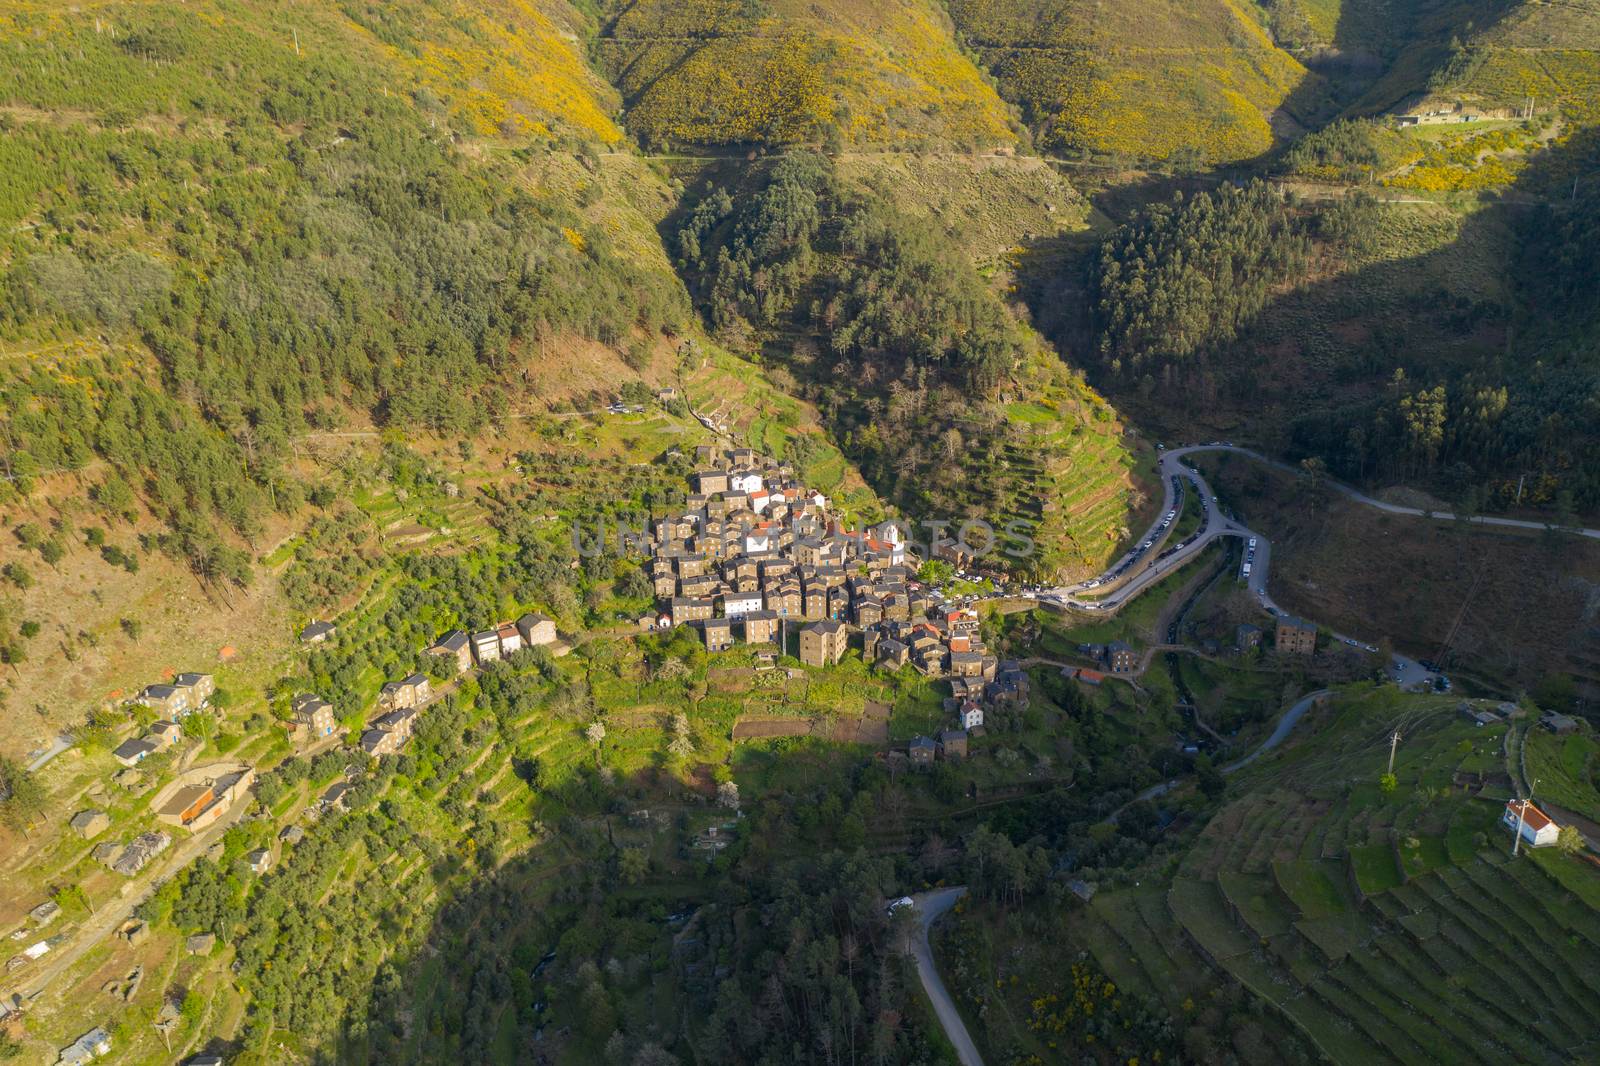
(185, 694)
(135, 856)
(1006, 685)
(1117, 656)
(498, 642)
(752, 550)
(160, 737)
(402, 701)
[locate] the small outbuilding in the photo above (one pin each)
(91, 823)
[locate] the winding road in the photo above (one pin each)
(1122, 583)
(1286, 724)
(930, 906)
(1125, 579)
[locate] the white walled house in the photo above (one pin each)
(1538, 830)
(735, 604)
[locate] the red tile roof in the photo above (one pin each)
(1532, 817)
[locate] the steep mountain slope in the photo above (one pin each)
(230, 237)
(1152, 80)
(717, 72)
(1397, 343)
(953, 408)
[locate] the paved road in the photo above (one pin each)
(1286, 724)
(109, 916)
(59, 745)
(1408, 673)
(1392, 508)
(930, 906)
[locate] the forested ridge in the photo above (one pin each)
(302, 243)
(908, 353)
(1198, 301)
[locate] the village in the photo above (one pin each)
(753, 563)
(753, 556)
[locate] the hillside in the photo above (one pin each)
(721, 72)
(1437, 342)
(952, 407)
(1515, 611)
(1166, 81)
(290, 227)
(1378, 925)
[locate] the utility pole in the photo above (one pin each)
(1522, 814)
(1394, 739)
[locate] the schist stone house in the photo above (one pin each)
(760, 627)
(486, 646)
(132, 752)
(1121, 658)
(314, 714)
(317, 632)
(412, 691)
(536, 630)
(186, 694)
(823, 643)
(510, 639)
(160, 737)
(90, 824)
(718, 633)
(454, 647)
(1295, 636)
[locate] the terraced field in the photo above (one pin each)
(736, 397)
(1387, 927)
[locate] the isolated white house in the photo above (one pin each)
(1537, 829)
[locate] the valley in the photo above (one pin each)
(701, 531)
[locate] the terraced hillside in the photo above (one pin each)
(1389, 927)
(722, 72)
(238, 244)
(951, 406)
(1151, 80)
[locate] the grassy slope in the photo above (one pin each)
(1341, 563)
(1511, 53)
(513, 85)
(710, 72)
(1365, 918)
(1150, 80)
